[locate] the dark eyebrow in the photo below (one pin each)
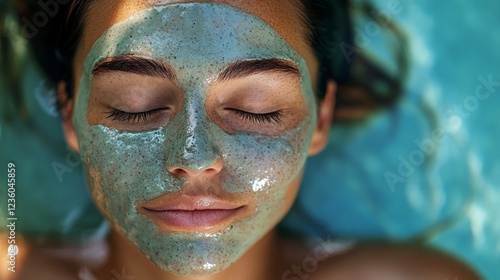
(136, 65)
(243, 68)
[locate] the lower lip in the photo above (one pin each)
(198, 219)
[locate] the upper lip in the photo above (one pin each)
(188, 203)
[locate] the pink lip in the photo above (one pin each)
(197, 219)
(191, 213)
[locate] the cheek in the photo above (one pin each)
(292, 192)
(268, 171)
(125, 168)
(266, 165)
(261, 165)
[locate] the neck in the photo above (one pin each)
(126, 262)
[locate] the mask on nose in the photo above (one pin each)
(125, 169)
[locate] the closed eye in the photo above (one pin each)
(267, 118)
(118, 115)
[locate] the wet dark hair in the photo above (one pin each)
(364, 85)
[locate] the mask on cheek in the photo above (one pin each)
(125, 169)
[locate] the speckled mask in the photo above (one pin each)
(126, 168)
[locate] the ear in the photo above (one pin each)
(67, 116)
(325, 116)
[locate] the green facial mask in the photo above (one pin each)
(127, 168)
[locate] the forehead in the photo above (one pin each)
(199, 35)
(284, 16)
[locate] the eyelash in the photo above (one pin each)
(273, 117)
(117, 115)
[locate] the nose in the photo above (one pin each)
(195, 153)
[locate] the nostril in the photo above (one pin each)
(178, 172)
(217, 165)
(209, 169)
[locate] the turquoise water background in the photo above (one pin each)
(452, 199)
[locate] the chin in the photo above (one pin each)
(190, 254)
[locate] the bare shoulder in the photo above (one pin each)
(381, 262)
(34, 263)
(393, 262)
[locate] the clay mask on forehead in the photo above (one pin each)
(125, 169)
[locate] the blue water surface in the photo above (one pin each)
(429, 169)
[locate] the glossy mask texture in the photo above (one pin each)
(126, 168)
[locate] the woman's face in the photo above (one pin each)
(193, 122)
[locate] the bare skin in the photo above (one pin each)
(267, 260)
